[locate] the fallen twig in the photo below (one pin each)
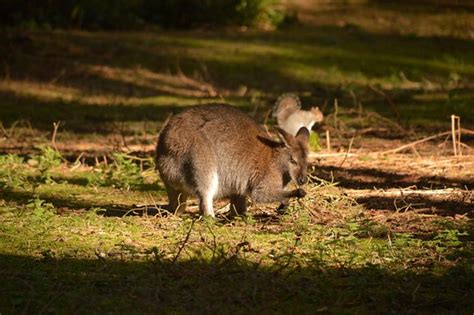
(328, 141)
(184, 242)
(55, 131)
(405, 192)
(392, 105)
(411, 144)
(456, 134)
(347, 153)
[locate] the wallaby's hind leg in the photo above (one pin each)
(238, 205)
(205, 206)
(176, 199)
(207, 193)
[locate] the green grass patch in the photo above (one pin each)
(60, 253)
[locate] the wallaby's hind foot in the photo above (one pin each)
(177, 202)
(238, 205)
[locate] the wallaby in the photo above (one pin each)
(216, 151)
(290, 117)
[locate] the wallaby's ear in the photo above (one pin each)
(302, 135)
(284, 136)
(270, 142)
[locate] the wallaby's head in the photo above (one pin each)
(295, 153)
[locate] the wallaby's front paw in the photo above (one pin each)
(282, 208)
(300, 193)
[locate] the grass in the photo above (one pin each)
(82, 227)
(72, 244)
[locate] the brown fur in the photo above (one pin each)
(218, 139)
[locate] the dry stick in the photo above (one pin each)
(55, 131)
(415, 152)
(329, 155)
(453, 134)
(3, 130)
(179, 204)
(185, 241)
(122, 133)
(467, 131)
(414, 143)
(347, 153)
(459, 135)
(137, 158)
(144, 131)
(55, 79)
(336, 111)
(385, 119)
(464, 145)
(158, 209)
(393, 107)
(328, 141)
(404, 192)
(202, 86)
(78, 159)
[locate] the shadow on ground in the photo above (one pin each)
(326, 61)
(66, 204)
(227, 284)
(370, 178)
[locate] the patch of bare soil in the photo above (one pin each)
(403, 192)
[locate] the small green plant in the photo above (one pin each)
(48, 159)
(12, 171)
(40, 209)
(447, 238)
(314, 142)
(122, 173)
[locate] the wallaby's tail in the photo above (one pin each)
(285, 105)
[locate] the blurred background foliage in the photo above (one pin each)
(134, 14)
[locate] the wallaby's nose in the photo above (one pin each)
(301, 180)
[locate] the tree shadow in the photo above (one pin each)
(228, 283)
(369, 178)
(418, 204)
(335, 51)
(80, 118)
(358, 178)
(432, 6)
(67, 204)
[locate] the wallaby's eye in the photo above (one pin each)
(293, 161)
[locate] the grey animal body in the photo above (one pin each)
(291, 117)
(216, 151)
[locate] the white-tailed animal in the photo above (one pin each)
(291, 118)
(216, 151)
